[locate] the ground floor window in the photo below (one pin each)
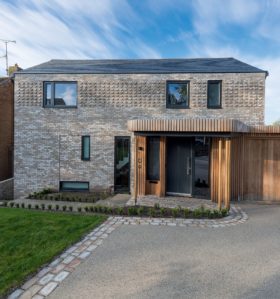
(153, 158)
(122, 163)
(74, 186)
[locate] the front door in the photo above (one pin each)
(179, 166)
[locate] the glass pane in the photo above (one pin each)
(86, 147)
(48, 94)
(65, 94)
(153, 158)
(122, 163)
(177, 94)
(74, 186)
(214, 94)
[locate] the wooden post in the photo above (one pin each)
(220, 175)
(228, 176)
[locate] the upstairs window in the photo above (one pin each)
(177, 94)
(60, 94)
(86, 148)
(214, 94)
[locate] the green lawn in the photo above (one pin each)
(29, 239)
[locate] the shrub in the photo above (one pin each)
(157, 206)
(79, 209)
(70, 208)
(152, 212)
(57, 207)
(216, 213)
(64, 208)
(49, 207)
(86, 209)
(91, 208)
(36, 207)
(175, 212)
(197, 213)
(29, 206)
(224, 212)
(140, 211)
(109, 210)
(186, 213)
(43, 206)
(132, 211)
(23, 205)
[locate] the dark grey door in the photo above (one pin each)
(179, 166)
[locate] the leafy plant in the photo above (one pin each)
(140, 211)
(175, 212)
(186, 212)
(157, 206)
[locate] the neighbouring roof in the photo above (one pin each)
(143, 66)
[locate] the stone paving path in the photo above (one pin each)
(45, 282)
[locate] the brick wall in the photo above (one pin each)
(48, 141)
(6, 129)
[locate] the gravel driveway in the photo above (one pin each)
(241, 261)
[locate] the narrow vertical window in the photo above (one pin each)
(86, 148)
(153, 158)
(214, 99)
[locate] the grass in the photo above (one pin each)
(30, 239)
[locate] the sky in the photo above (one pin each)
(248, 30)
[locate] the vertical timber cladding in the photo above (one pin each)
(262, 167)
(144, 186)
(220, 171)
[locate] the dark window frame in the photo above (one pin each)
(82, 148)
(53, 94)
(115, 159)
(208, 84)
(148, 177)
(168, 106)
(71, 190)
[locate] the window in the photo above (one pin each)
(86, 148)
(177, 94)
(60, 94)
(153, 158)
(214, 94)
(74, 186)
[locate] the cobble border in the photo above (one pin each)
(49, 278)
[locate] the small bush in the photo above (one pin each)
(197, 213)
(157, 206)
(152, 212)
(43, 206)
(86, 209)
(224, 212)
(175, 212)
(79, 209)
(186, 213)
(132, 211)
(23, 205)
(91, 208)
(57, 207)
(29, 206)
(64, 208)
(36, 207)
(70, 208)
(140, 211)
(49, 207)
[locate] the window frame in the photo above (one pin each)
(70, 190)
(208, 84)
(168, 106)
(53, 94)
(82, 148)
(148, 175)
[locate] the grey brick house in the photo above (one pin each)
(86, 124)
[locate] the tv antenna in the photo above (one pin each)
(6, 53)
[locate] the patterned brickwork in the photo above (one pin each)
(48, 141)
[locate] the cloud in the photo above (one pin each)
(70, 30)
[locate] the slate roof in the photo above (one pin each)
(143, 66)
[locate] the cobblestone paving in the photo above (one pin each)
(47, 280)
(173, 202)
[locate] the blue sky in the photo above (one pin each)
(245, 29)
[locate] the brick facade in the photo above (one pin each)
(48, 140)
(6, 128)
